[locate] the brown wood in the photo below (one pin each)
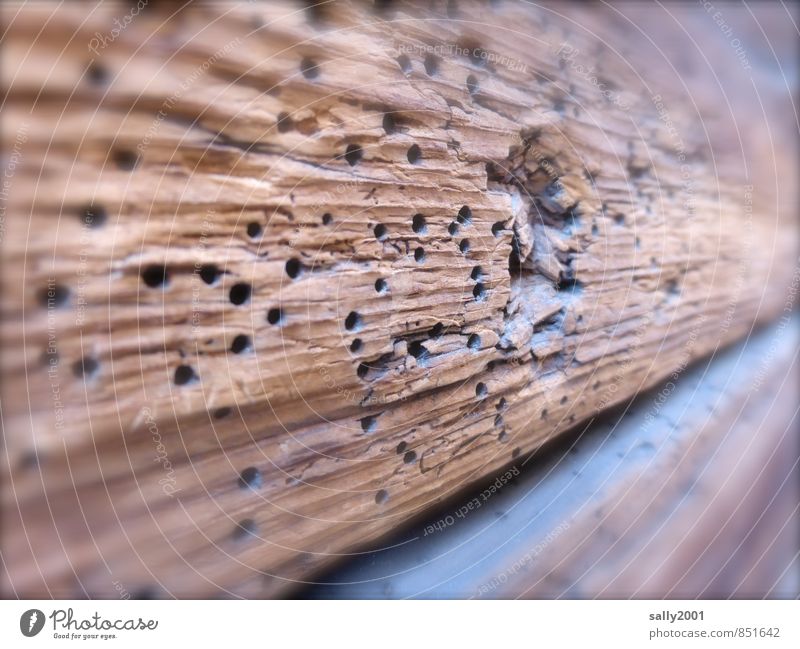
(568, 260)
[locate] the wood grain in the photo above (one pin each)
(575, 250)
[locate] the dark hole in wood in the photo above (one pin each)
(209, 273)
(240, 293)
(241, 344)
(53, 295)
(431, 64)
(405, 63)
(93, 216)
(353, 321)
(126, 160)
(389, 123)
(285, 123)
(353, 154)
(85, 367)
(250, 478)
(155, 276)
(417, 350)
(380, 231)
(293, 268)
(184, 374)
(253, 229)
(309, 68)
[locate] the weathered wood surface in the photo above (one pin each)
(575, 249)
(688, 491)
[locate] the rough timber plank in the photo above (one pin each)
(590, 520)
(586, 268)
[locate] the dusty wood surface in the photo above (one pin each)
(252, 172)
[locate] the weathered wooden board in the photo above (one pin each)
(246, 236)
(688, 491)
